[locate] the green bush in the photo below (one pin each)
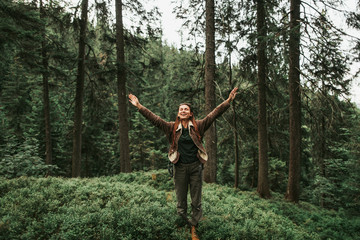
(25, 162)
(142, 205)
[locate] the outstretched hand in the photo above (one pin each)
(232, 94)
(134, 100)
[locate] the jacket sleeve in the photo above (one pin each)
(206, 122)
(156, 120)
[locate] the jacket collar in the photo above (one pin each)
(190, 124)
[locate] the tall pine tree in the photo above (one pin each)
(293, 187)
(77, 139)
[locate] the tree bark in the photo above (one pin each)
(236, 145)
(263, 182)
(210, 101)
(121, 84)
(45, 76)
(293, 187)
(76, 156)
(236, 142)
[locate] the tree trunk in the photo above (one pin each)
(236, 142)
(45, 75)
(254, 167)
(210, 101)
(236, 145)
(76, 156)
(263, 182)
(322, 157)
(293, 187)
(121, 84)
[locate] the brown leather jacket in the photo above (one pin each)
(202, 125)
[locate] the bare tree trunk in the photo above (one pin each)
(322, 157)
(210, 101)
(76, 156)
(121, 83)
(45, 75)
(293, 187)
(253, 172)
(236, 142)
(236, 145)
(263, 181)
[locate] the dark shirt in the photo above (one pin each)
(187, 148)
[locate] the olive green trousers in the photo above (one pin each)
(189, 176)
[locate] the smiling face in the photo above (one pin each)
(184, 112)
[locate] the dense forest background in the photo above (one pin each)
(43, 101)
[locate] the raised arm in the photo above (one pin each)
(206, 122)
(232, 94)
(134, 101)
(153, 118)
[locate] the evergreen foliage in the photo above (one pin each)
(162, 77)
(142, 205)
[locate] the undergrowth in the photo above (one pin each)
(142, 205)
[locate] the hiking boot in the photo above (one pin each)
(194, 236)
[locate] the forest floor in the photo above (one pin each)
(142, 205)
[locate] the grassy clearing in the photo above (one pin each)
(142, 205)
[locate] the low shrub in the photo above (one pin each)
(142, 205)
